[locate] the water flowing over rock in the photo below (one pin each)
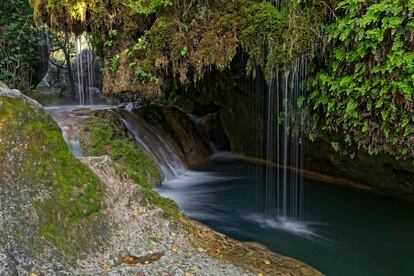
(61, 215)
(169, 136)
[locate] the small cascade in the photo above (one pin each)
(84, 71)
(153, 144)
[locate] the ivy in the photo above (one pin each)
(365, 87)
(18, 44)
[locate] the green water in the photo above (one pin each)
(344, 231)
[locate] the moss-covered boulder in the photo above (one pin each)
(102, 132)
(50, 202)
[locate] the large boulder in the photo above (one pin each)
(51, 204)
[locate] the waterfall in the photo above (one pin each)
(153, 144)
(284, 142)
(79, 70)
(84, 62)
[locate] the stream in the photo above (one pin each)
(344, 231)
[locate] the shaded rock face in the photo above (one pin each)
(380, 173)
(213, 131)
(176, 128)
(231, 108)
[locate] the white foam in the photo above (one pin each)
(297, 227)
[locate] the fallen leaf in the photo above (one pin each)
(106, 267)
(132, 260)
(267, 262)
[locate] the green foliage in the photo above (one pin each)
(148, 7)
(109, 42)
(115, 61)
(18, 44)
(366, 87)
(184, 51)
(143, 75)
(179, 41)
(263, 30)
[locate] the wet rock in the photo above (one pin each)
(378, 173)
(213, 130)
(66, 216)
(55, 87)
(177, 128)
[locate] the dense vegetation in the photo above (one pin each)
(362, 83)
(18, 44)
(163, 43)
(365, 89)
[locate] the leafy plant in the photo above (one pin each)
(365, 88)
(18, 44)
(184, 51)
(143, 75)
(115, 61)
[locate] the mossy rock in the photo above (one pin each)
(60, 199)
(103, 133)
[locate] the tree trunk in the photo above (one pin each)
(66, 50)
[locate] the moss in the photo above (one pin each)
(103, 134)
(183, 41)
(46, 99)
(75, 198)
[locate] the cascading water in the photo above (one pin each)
(79, 63)
(84, 57)
(148, 138)
(284, 142)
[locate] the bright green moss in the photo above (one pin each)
(76, 194)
